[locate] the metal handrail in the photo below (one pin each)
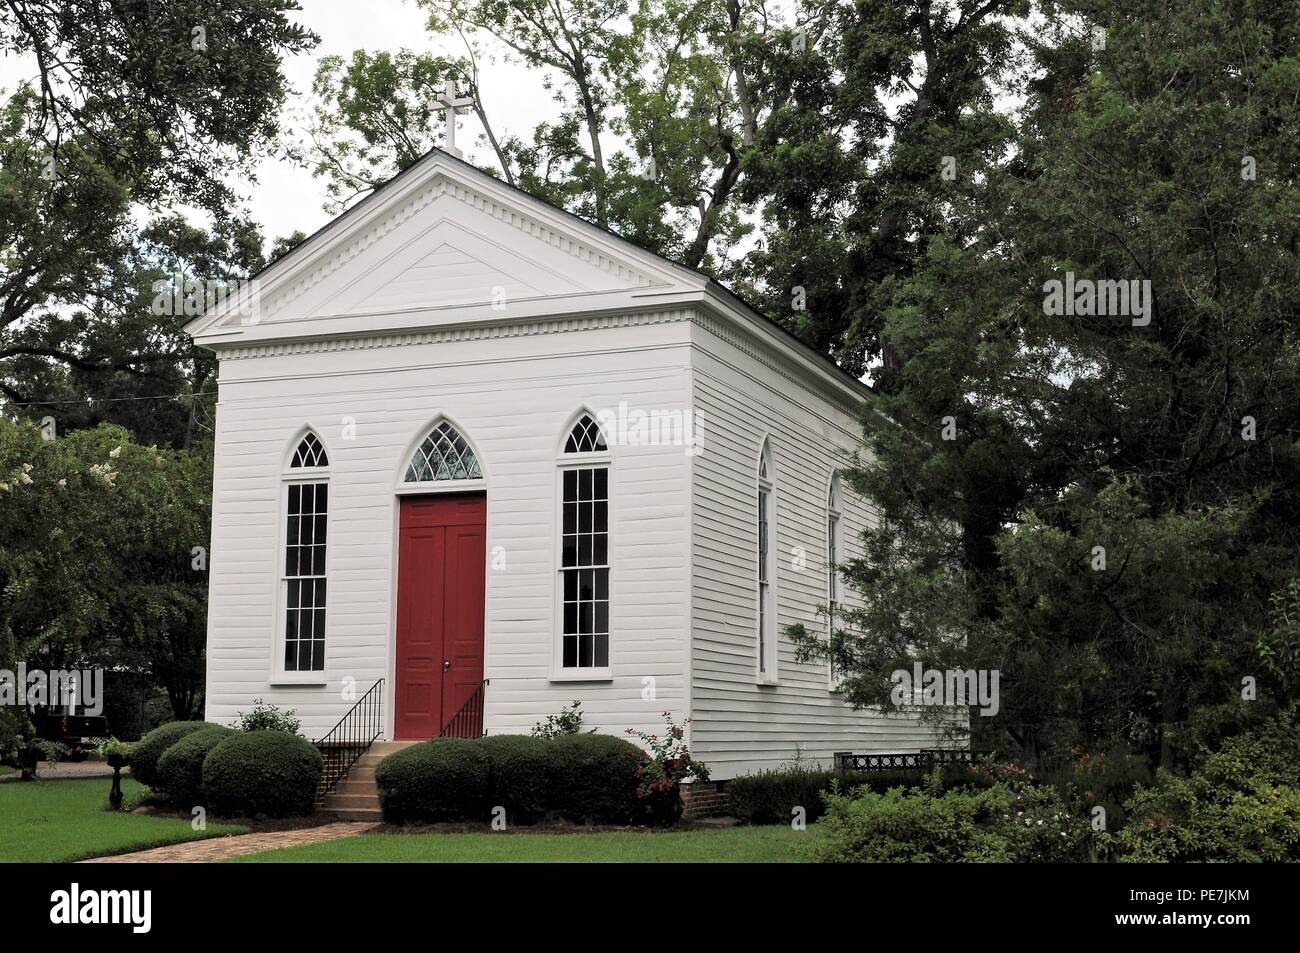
(351, 738)
(468, 722)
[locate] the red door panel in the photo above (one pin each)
(440, 590)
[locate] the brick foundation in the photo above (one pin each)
(704, 799)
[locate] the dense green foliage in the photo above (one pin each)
(274, 773)
(146, 753)
(595, 778)
(771, 797)
(180, 769)
(1101, 507)
(520, 775)
(1006, 823)
(1242, 805)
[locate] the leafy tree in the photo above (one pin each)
(135, 107)
(104, 556)
(662, 108)
(1100, 506)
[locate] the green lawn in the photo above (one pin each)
(69, 820)
(727, 845)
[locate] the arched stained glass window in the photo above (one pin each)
(443, 455)
(585, 437)
(310, 453)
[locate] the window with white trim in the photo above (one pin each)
(832, 564)
(765, 564)
(584, 549)
(303, 584)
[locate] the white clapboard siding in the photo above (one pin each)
(512, 398)
(738, 726)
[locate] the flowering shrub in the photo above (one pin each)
(669, 763)
(1039, 827)
(997, 772)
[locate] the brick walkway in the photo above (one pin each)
(219, 848)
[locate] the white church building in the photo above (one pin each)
(480, 459)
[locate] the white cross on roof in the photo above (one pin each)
(452, 106)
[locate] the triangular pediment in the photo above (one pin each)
(443, 243)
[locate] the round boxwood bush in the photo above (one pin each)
(180, 769)
(520, 777)
(146, 752)
(594, 778)
(445, 779)
(262, 772)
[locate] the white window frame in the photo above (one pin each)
(834, 538)
(601, 459)
(291, 476)
(766, 631)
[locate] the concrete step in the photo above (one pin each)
(358, 786)
(351, 801)
(388, 747)
(374, 814)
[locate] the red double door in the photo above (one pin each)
(441, 559)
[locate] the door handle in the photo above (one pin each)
(446, 665)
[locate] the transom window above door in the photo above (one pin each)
(442, 456)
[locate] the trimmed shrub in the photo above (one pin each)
(595, 778)
(180, 769)
(520, 775)
(146, 752)
(769, 797)
(446, 779)
(262, 772)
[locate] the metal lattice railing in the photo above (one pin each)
(904, 761)
(351, 737)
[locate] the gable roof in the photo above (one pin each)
(409, 237)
